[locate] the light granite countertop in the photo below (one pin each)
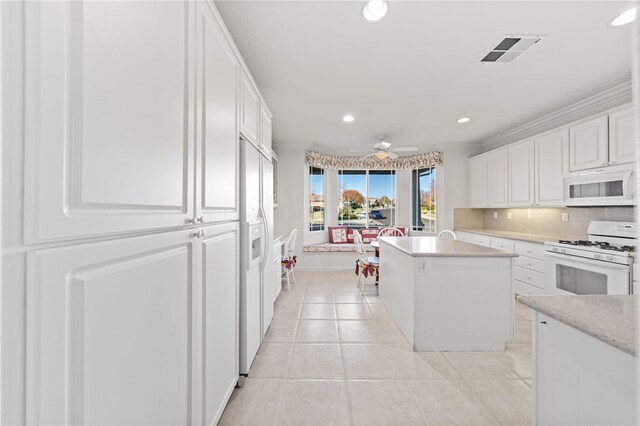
(522, 236)
(611, 319)
(441, 247)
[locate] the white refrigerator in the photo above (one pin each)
(256, 236)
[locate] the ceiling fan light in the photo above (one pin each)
(374, 10)
(381, 155)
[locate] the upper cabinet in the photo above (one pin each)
(478, 181)
(550, 165)
(98, 159)
(266, 128)
(250, 111)
(111, 150)
(622, 137)
(588, 145)
(217, 146)
(521, 174)
(497, 166)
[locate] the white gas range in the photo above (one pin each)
(599, 265)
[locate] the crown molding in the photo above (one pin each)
(592, 105)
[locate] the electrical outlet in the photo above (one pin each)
(565, 217)
(509, 215)
(495, 215)
(423, 266)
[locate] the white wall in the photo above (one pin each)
(451, 187)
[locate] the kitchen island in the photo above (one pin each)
(447, 295)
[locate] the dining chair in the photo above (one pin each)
(447, 234)
(289, 259)
(365, 265)
(391, 231)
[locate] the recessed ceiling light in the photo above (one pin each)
(624, 18)
(348, 118)
(464, 120)
(374, 10)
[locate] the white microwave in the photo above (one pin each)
(610, 186)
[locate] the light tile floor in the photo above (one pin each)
(333, 357)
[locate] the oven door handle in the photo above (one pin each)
(601, 264)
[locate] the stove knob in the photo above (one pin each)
(563, 251)
(609, 257)
(596, 256)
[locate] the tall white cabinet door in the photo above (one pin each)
(109, 332)
(266, 129)
(220, 288)
(521, 176)
(478, 181)
(550, 155)
(497, 178)
(250, 111)
(109, 135)
(588, 145)
(622, 137)
(217, 145)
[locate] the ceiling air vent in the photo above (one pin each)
(510, 48)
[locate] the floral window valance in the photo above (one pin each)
(346, 162)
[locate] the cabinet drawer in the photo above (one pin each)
(530, 263)
(528, 276)
(502, 244)
(530, 250)
(463, 236)
(524, 289)
(482, 240)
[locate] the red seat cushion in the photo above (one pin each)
(338, 234)
(369, 235)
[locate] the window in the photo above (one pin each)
(316, 199)
(367, 199)
(424, 199)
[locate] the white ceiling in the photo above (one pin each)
(413, 74)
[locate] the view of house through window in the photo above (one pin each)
(424, 199)
(367, 199)
(316, 199)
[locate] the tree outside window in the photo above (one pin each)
(367, 198)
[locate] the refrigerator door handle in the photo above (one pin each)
(266, 234)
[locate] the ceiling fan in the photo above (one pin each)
(383, 149)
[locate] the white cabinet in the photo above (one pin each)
(521, 174)
(478, 181)
(265, 130)
(109, 97)
(501, 244)
(219, 284)
(217, 152)
(483, 240)
(249, 111)
(119, 325)
(588, 145)
(550, 158)
(579, 380)
(622, 137)
(497, 167)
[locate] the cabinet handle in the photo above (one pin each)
(200, 219)
(543, 322)
(199, 234)
(191, 221)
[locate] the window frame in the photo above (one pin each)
(323, 226)
(367, 174)
(416, 204)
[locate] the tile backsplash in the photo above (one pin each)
(541, 221)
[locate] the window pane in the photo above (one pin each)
(352, 205)
(424, 199)
(382, 198)
(316, 199)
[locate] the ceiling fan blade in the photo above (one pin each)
(405, 149)
(361, 150)
(384, 145)
(392, 155)
(369, 155)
